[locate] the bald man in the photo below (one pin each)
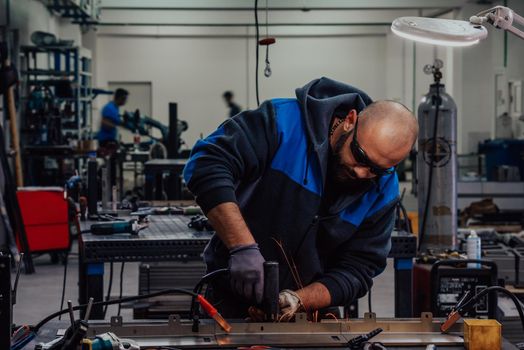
(308, 182)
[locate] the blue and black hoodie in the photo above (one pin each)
(273, 162)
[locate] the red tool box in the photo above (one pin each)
(45, 216)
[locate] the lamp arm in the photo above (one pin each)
(500, 17)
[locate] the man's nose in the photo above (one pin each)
(363, 172)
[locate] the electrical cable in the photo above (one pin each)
(39, 325)
(198, 288)
(370, 310)
(474, 299)
(257, 52)
(109, 287)
(121, 287)
(431, 167)
(408, 227)
(64, 283)
(267, 26)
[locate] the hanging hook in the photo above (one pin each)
(267, 70)
(266, 42)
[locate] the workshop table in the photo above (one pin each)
(154, 170)
(180, 335)
(167, 238)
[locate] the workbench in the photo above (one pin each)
(398, 334)
(154, 171)
(168, 238)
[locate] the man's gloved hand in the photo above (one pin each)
(289, 303)
(246, 269)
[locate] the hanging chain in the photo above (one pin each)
(267, 70)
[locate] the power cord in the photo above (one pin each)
(465, 304)
(404, 219)
(39, 325)
(437, 75)
(109, 287)
(370, 309)
(64, 283)
(475, 299)
(200, 285)
(121, 286)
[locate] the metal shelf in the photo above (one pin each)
(45, 65)
(50, 72)
(32, 48)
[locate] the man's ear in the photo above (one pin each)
(350, 120)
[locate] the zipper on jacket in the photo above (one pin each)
(306, 172)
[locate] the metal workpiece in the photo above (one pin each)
(301, 333)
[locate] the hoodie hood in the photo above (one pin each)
(320, 100)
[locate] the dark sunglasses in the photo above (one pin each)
(362, 158)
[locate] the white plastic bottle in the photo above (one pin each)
(473, 249)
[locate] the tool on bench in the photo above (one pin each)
(112, 227)
(358, 342)
(200, 223)
(271, 291)
(109, 341)
(73, 335)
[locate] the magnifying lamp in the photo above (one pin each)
(448, 32)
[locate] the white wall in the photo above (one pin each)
(194, 72)
(194, 65)
(30, 15)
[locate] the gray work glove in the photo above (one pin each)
(289, 303)
(246, 269)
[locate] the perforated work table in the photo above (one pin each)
(167, 238)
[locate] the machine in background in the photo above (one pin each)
(144, 125)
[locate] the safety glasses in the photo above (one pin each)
(362, 158)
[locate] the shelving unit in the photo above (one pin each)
(72, 63)
(56, 109)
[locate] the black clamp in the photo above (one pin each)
(361, 342)
(200, 223)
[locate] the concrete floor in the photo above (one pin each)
(39, 293)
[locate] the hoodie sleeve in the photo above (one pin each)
(361, 258)
(239, 150)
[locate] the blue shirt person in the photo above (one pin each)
(111, 117)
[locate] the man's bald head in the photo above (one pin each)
(387, 129)
(391, 121)
(384, 131)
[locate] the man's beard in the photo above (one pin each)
(345, 178)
